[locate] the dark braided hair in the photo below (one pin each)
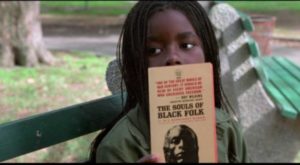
(133, 63)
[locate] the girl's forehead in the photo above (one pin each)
(169, 14)
(169, 19)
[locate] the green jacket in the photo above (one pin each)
(128, 141)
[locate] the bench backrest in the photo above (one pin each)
(53, 127)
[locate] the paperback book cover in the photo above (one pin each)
(182, 113)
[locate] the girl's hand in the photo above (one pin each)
(150, 159)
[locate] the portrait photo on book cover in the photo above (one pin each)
(181, 145)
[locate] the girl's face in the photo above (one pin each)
(172, 40)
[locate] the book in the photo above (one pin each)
(182, 113)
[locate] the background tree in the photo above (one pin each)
(21, 38)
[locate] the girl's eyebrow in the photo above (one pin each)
(186, 35)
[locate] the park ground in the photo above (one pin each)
(92, 30)
(287, 23)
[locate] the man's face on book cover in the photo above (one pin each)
(181, 145)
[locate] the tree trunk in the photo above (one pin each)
(21, 38)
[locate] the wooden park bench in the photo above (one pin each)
(279, 76)
(267, 132)
(46, 129)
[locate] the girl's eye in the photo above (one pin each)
(154, 51)
(187, 46)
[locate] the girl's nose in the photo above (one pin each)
(173, 58)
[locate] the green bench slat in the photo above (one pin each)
(279, 82)
(281, 70)
(286, 109)
(256, 58)
(280, 76)
(43, 130)
(290, 66)
(254, 48)
(247, 22)
(292, 70)
(260, 70)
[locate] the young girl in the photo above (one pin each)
(161, 33)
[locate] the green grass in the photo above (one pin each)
(83, 3)
(266, 6)
(77, 77)
(89, 12)
(85, 7)
(122, 7)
